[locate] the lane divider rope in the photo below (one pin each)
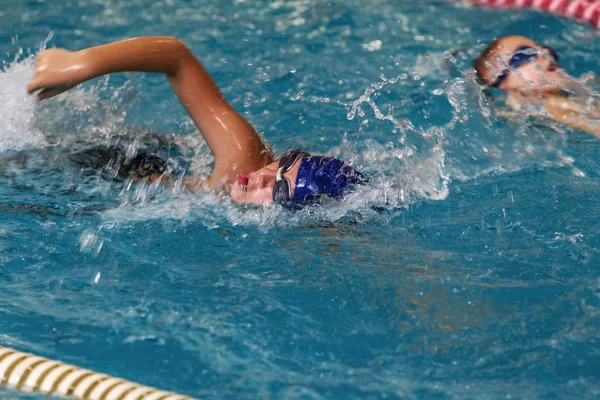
(28, 373)
(587, 11)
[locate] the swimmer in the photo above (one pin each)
(531, 75)
(244, 166)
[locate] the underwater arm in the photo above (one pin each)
(570, 113)
(236, 146)
(559, 109)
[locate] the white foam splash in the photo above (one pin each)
(17, 112)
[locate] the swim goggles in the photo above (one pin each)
(282, 190)
(521, 56)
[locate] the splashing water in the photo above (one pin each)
(474, 141)
(17, 106)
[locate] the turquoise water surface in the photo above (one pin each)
(466, 269)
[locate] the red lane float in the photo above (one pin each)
(587, 11)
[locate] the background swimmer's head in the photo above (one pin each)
(517, 63)
(295, 180)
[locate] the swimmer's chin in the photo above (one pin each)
(237, 194)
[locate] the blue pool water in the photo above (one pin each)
(467, 269)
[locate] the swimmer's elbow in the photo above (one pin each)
(179, 44)
(183, 56)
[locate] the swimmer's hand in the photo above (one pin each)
(56, 71)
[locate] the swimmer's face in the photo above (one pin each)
(257, 187)
(540, 72)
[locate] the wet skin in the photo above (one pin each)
(542, 75)
(257, 187)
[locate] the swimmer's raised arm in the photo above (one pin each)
(236, 146)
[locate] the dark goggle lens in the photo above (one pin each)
(522, 56)
(281, 190)
(527, 54)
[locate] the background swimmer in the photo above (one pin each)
(244, 165)
(531, 76)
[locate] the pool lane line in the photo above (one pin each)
(587, 11)
(28, 373)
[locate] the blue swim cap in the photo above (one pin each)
(320, 177)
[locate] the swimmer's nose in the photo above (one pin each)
(267, 178)
(261, 179)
